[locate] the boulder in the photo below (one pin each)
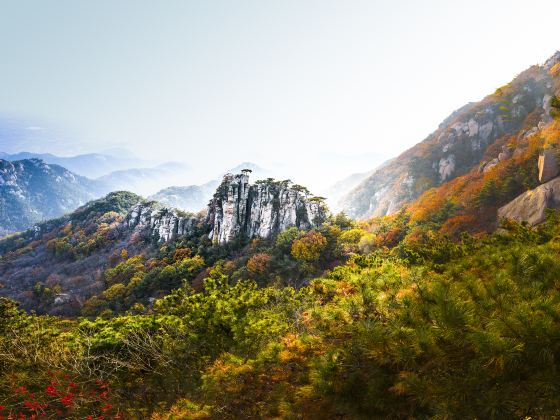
(504, 154)
(531, 205)
(486, 166)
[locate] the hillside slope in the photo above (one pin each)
(460, 143)
(64, 264)
(31, 191)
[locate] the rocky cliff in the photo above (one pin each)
(260, 210)
(159, 223)
(237, 210)
(196, 197)
(460, 143)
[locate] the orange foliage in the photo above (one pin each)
(391, 237)
(458, 224)
(309, 247)
(551, 133)
(464, 191)
(258, 263)
(427, 205)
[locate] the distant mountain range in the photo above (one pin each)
(92, 165)
(335, 192)
(189, 198)
(147, 180)
(32, 190)
(118, 173)
(470, 142)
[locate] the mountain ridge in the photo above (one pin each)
(457, 145)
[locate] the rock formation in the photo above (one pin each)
(237, 210)
(548, 165)
(260, 210)
(160, 223)
(531, 205)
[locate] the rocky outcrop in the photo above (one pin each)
(503, 155)
(531, 205)
(160, 223)
(239, 209)
(195, 197)
(446, 167)
(548, 165)
(552, 61)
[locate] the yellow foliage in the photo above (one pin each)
(309, 247)
(352, 236)
(116, 291)
(555, 70)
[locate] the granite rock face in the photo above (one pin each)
(161, 224)
(260, 210)
(531, 205)
(237, 210)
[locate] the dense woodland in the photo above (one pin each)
(466, 329)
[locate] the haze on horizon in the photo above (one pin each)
(318, 89)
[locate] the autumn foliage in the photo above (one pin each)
(258, 263)
(62, 396)
(309, 247)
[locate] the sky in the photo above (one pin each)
(315, 88)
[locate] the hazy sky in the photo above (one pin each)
(321, 87)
